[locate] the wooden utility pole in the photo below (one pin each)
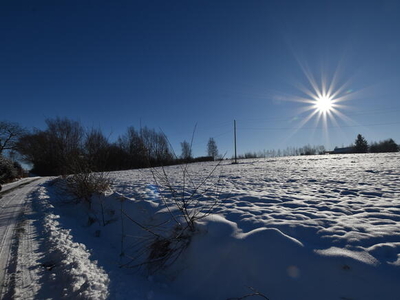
(234, 138)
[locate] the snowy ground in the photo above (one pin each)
(9, 186)
(319, 227)
(13, 200)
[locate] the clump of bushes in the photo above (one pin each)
(9, 170)
(86, 184)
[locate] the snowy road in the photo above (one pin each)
(13, 203)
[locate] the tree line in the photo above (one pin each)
(361, 146)
(66, 147)
(289, 151)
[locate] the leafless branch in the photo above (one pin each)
(255, 293)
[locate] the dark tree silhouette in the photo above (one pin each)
(388, 145)
(55, 150)
(133, 148)
(145, 148)
(96, 149)
(9, 135)
(361, 144)
(65, 147)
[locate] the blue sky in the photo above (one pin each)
(174, 64)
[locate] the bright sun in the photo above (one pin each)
(324, 104)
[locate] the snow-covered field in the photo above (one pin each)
(317, 227)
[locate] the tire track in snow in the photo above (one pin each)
(12, 204)
(26, 256)
(12, 265)
(10, 208)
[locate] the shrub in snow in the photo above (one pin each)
(183, 206)
(86, 184)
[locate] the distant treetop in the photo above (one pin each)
(361, 144)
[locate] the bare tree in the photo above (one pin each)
(9, 135)
(66, 138)
(96, 150)
(186, 151)
(156, 145)
(132, 145)
(212, 149)
(55, 150)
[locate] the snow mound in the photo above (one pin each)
(361, 256)
(226, 260)
(72, 274)
(222, 262)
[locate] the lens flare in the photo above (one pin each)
(324, 96)
(324, 104)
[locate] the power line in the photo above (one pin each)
(313, 128)
(365, 112)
